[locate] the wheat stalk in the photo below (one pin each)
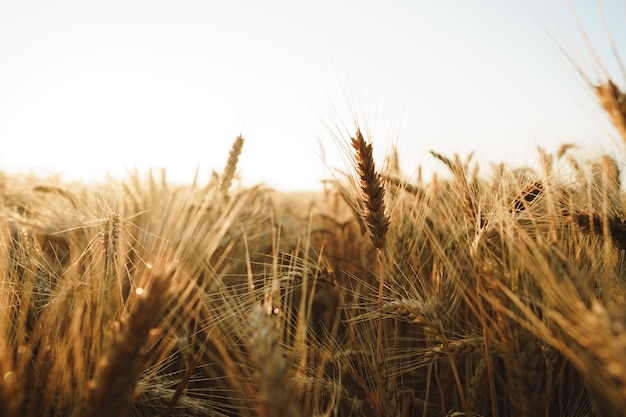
(374, 215)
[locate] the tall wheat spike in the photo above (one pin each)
(231, 164)
(373, 192)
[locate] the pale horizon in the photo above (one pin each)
(89, 90)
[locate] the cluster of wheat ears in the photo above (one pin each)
(498, 293)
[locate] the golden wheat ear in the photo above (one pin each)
(276, 394)
(373, 192)
(231, 164)
(112, 390)
(613, 101)
(373, 215)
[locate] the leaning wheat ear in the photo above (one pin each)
(614, 103)
(612, 99)
(111, 392)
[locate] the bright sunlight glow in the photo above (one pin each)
(95, 88)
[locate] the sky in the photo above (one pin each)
(90, 89)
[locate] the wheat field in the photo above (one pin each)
(489, 291)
